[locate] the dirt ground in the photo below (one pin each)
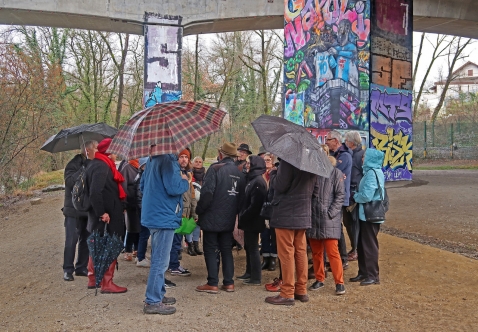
(423, 288)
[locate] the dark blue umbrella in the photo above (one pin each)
(104, 250)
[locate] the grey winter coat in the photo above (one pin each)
(329, 197)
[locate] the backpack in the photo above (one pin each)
(79, 194)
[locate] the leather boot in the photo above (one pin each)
(191, 251)
(265, 262)
(91, 274)
(107, 285)
(196, 248)
(272, 264)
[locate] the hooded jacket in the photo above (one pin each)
(344, 164)
(329, 194)
(291, 205)
(162, 187)
(220, 197)
(368, 187)
(357, 171)
(254, 196)
(72, 171)
(130, 173)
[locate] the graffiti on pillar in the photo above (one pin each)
(391, 130)
(162, 72)
(326, 69)
(391, 86)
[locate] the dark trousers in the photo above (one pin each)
(174, 254)
(253, 258)
(342, 246)
(367, 250)
(143, 243)
(268, 242)
(213, 243)
(132, 240)
(75, 233)
(348, 221)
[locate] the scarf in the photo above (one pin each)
(116, 175)
(134, 163)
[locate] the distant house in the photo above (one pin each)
(465, 80)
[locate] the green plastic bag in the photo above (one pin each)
(187, 226)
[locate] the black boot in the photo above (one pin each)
(191, 251)
(272, 264)
(265, 262)
(196, 248)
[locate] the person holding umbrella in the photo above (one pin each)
(76, 221)
(106, 196)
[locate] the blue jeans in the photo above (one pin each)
(161, 242)
(174, 253)
(143, 243)
(194, 236)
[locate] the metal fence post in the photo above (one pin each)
(451, 136)
(425, 143)
(433, 133)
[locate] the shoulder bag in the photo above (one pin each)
(375, 210)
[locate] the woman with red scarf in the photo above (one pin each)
(106, 196)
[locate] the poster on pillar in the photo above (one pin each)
(391, 120)
(162, 60)
(326, 64)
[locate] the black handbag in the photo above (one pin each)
(266, 210)
(375, 210)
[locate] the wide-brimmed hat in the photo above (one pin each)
(228, 149)
(244, 147)
(261, 151)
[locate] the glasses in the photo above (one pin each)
(329, 139)
(267, 160)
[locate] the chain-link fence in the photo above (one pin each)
(445, 139)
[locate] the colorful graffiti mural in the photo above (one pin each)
(391, 131)
(162, 69)
(327, 56)
(390, 92)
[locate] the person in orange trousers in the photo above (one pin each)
(326, 228)
(291, 216)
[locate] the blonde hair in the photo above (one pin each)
(325, 148)
(333, 161)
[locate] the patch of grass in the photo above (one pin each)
(445, 167)
(45, 179)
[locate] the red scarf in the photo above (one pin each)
(116, 175)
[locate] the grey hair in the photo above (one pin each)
(197, 158)
(335, 134)
(354, 137)
(87, 144)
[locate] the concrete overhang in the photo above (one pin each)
(454, 17)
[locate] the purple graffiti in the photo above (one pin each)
(393, 106)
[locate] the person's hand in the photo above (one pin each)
(345, 176)
(105, 218)
(184, 177)
(332, 51)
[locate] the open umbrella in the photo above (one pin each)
(72, 138)
(165, 128)
(292, 143)
(104, 249)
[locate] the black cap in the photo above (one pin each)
(244, 147)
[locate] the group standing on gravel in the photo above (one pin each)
(148, 198)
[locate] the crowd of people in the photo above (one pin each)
(146, 199)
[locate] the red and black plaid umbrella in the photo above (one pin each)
(165, 128)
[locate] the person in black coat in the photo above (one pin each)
(250, 220)
(106, 212)
(75, 221)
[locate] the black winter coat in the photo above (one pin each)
(292, 201)
(104, 197)
(220, 197)
(327, 207)
(357, 172)
(254, 196)
(199, 175)
(72, 170)
(133, 224)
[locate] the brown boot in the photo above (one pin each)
(107, 285)
(91, 274)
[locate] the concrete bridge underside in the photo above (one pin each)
(454, 17)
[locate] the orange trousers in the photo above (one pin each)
(332, 249)
(292, 252)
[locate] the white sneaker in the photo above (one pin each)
(144, 263)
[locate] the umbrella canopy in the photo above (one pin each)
(104, 249)
(292, 143)
(72, 138)
(165, 128)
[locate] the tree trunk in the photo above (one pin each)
(119, 106)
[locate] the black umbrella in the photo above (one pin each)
(292, 143)
(104, 250)
(72, 138)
